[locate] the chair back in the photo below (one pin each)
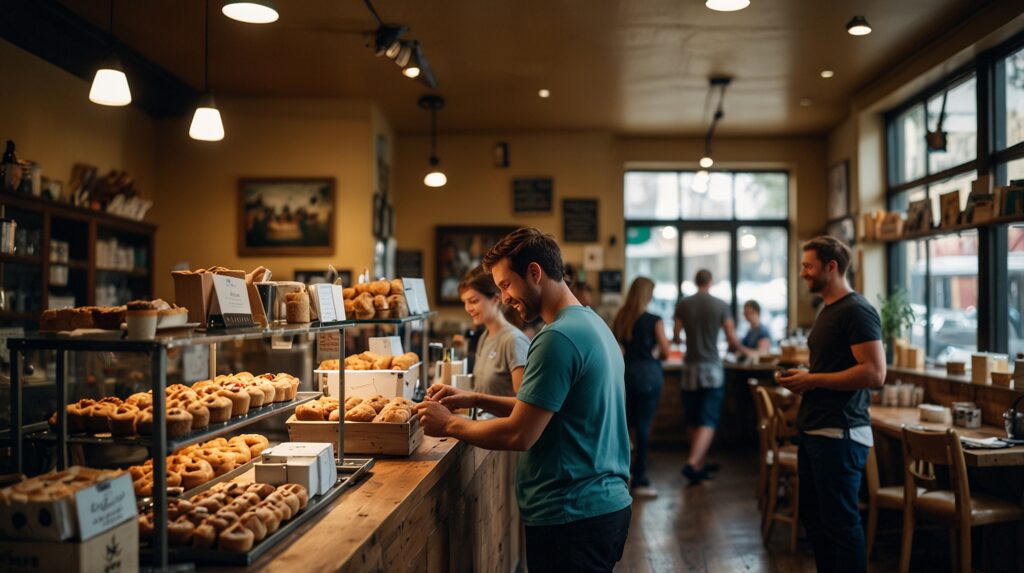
(871, 475)
(762, 403)
(923, 452)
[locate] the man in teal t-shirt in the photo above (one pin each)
(569, 417)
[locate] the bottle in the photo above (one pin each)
(11, 175)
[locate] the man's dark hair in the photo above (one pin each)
(703, 278)
(754, 306)
(524, 246)
(830, 249)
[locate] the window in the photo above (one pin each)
(731, 223)
(959, 122)
(1015, 288)
(1009, 86)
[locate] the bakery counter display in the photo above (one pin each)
(206, 409)
(200, 466)
(368, 374)
(373, 425)
(381, 299)
(155, 314)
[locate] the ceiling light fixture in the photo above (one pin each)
(206, 123)
(544, 93)
(407, 54)
(110, 84)
(858, 26)
(727, 5)
(436, 177)
(251, 11)
(827, 73)
(720, 83)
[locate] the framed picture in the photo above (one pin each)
(919, 217)
(460, 250)
(286, 217)
(949, 204)
(839, 190)
(844, 229)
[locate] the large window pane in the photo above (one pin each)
(707, 250)
(911, 276)
(1010, 121)
(652, 195)
(1015, 287)
(954, 297)
(706, 196)
(653, 252)
(960, 183)
(960, 125)
(762, 196)
(910, 147)
(763, 266)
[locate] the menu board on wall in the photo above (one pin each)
(532, 195)
(579, 220)
(610, 281)
(408, 263)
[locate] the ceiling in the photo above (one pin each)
(637, 67)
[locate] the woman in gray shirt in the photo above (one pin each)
(501, 350)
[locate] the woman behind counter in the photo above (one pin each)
(501, 348)
(757, 341)
(640, 332)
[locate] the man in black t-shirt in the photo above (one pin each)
(847, 360)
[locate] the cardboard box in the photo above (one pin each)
(305, 471)
(377, 438)
(386, 345)
(85, 514)
(274, 474)
(116, 550)
(192, 291)
(366, 383)
(323, 452)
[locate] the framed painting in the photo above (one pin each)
(286, 217)
(460, 250)
(839, 190)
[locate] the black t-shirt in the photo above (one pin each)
(642, 342)
(849, 321)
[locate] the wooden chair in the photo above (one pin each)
(889, 497)
(764, 409)
(784, 462)
(956, 507)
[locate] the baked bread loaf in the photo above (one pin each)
(361, 413)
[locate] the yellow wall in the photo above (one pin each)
(47, 112)
(585, 165)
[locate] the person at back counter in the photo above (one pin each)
(847, 360)
(569, 416)
(757, 341)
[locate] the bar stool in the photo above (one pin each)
(784, 461)
(889, 497)
(956, 508)
(764, 409)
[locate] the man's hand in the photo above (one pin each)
(798, 381)
(451, 397)
(433, 417)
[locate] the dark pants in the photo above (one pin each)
(592, 544)
(643, 390)
(830, 476)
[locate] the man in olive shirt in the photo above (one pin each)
(847, 360)
(569, 417)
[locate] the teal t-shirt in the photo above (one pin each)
(579, 467)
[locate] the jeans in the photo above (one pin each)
(643, 390)
(592, 544)
(830, 475)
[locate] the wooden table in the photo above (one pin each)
(448, 507)
(889, 420)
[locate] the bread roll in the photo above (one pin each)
(378, 288)
(397, 287)
(361, 413)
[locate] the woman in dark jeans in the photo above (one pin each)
(640, 332)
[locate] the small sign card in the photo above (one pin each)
(229, 307)
(416, 295)
(105, 505)
(325, 304)
(195, 362)
(339, 302)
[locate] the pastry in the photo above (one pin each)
(298, 491)
(260, 489)
(256, 443)
(396, 287)
(254, 523)
(380, 288)
(361, 413)
(352, 402)
(221, 462)
(239, 399)
(330, 365)
(108, 317)
(350, 306)
(348, 293)
(98, 420)
(195, 473)
(393, 415)
(237, 538)
(200, 414)
(309, 412)
(179, 531)
(78, 415)
(122, 420)
(219, 407)
(334, 416)
(283, 388)
(296, 307)
(256, 396)
(376, 402)
(140, 400)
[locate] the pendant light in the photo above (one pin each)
(206, 122)
(110, 84)
(719, 83)
(727, 5)
(250, 11)
(436, 177)
(858, 26)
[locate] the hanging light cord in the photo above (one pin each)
(206, 48)
(719, 114)
(373, 12)
(433, 135)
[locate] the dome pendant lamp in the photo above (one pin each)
(436, 177)
(206, 122)
(110, 84)
(250, 11)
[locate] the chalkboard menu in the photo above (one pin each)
(408, 263)
(579, 220)
(532, 195)
(610, 281)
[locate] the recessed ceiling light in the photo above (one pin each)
(727, 5)
(858, 26)
(827, 73)
(544, 93)
(805, 102)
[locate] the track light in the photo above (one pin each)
(727, 5)
(250, 11)
(404, 54)
(387, 40)
(858, 26)
(436, 177)
(110, 84)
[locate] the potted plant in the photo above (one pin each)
(897, 316)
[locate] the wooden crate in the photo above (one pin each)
(379, 438)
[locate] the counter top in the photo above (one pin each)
(890, 420)
(675, 366)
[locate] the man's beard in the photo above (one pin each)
(817, 284)
(529, 306)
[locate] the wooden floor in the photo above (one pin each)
(715, 527)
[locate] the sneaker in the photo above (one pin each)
(711, 467)
(693, 475)
(645, 492)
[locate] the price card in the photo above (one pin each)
(230, 303)
(339, 303)
(105, 505)
(196, 363)
(325, 303)
(416, 295)
(328, 345)
(281, 342)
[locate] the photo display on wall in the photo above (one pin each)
(579, 220)
(460, 250)
(287, 217)
(839, 190)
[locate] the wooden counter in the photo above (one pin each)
(890, 420)
(448, 507)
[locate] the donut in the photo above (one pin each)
(296, 490)
(122, 420)
(195, 473)
(240, 449)
(309, 412)
(239, 399)
(256, 442)
(146, 526)
(179, 531)
(260, 489)
(213, 502)
(236, 538)
(218, 406)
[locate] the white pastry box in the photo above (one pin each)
(366, 383)
(84, 514)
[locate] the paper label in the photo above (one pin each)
(325, 303)
(328, 345)
(195, 362)
(105, 505)
(230, 295)
(280, 342)
(416, 295)
(339, 303)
